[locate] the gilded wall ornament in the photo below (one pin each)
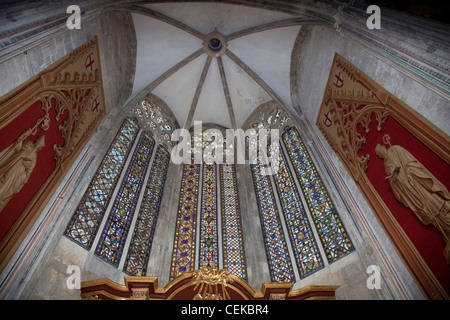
(70, 96)
(356, 113)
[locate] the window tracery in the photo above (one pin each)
(333, 237)
(210, 214)
(278, 258)
(156, 120)
(219, 226)
(84, 225)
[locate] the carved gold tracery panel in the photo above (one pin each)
(355, 117)
(60, 108)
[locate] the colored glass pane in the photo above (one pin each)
(208, 247)
(183, 256)
(303, 243)
(280, 265)
(146, 111)
(112, 240)
(141, 241)
(86, 220)
(335, 240)
(233, 245)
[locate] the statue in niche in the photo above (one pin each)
(17, 162)
(417, 188)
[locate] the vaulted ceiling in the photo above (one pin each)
(161, 47)
(223, 87)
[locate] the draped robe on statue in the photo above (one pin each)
(16, 165)
(418, 189)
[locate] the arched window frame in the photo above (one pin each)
(86, 220)
(159, 136)
(208, 240)
(270, 116)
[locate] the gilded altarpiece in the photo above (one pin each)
(400, 162)
(44, 124)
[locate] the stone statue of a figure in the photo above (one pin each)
(16, 165)
(418, 189)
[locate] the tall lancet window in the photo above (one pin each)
(285, 220)
(85, 222)
(280, 265)
(141, 242)
(233, 244)
(304, 246)
(209, 245)
(112, 240)
(183, 255)
(208, 232)
(335, 240)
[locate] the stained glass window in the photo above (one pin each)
(280, 265)
(112, 240)
(275, 118)
(155, 119)
(85, 222)
(208, 247)
(332, 233)
(183, 256)
(233, 245)
(209, 235)
(141, 241)
(303, 243)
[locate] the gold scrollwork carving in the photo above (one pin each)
(352, 110)
(209, 280)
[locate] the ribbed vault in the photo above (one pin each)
(224, 86)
